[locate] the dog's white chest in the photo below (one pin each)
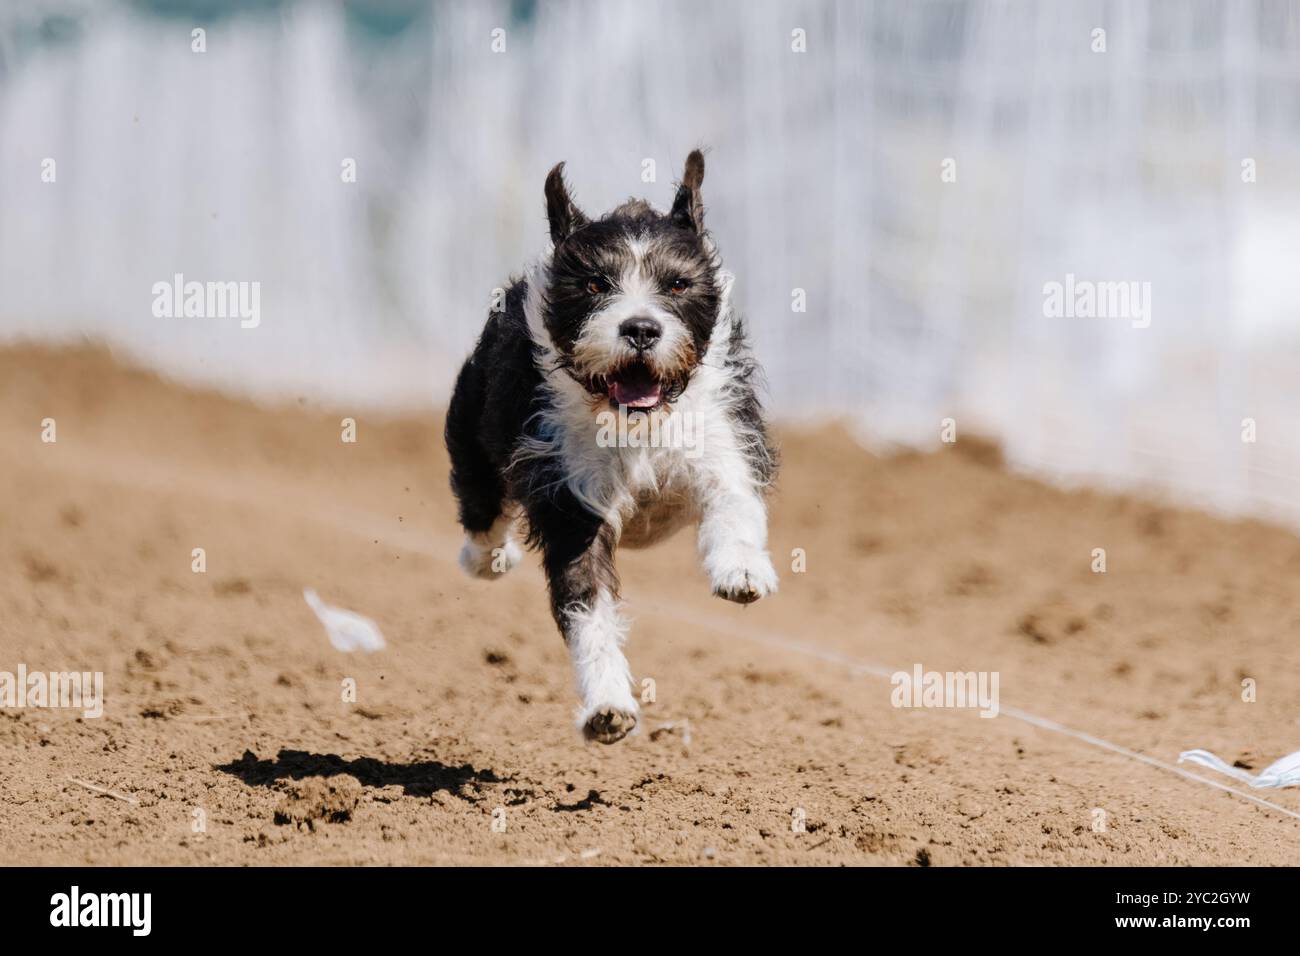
(658, 499)
(654, 521)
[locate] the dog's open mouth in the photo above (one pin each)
(635, 385)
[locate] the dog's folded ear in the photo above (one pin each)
(563, 214)
(688, 206)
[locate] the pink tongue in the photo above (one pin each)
(635, 394)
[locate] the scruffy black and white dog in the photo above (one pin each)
(625, 322)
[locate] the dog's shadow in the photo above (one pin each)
(420, 779)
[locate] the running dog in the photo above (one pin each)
(624, 325)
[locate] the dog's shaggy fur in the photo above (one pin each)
(628, 312)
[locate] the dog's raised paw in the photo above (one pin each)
(746, 585)
(609, 725)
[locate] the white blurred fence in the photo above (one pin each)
(826, 173)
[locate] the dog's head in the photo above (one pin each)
(634, 295)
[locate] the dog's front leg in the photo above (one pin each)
(578, 553)
(733, 538)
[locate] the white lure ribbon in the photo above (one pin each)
(347, 630)
(1282, 773)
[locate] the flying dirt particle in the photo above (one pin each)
(329, 799)
(496, 658)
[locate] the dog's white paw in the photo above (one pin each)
(611, 711)
(609, 723)
(479, 560)
(745, 578)
(595, 638)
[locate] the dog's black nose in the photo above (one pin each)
(642, 332)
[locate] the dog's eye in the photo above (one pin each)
(678, 286)
(596, 285)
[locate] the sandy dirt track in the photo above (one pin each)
(224, 696)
